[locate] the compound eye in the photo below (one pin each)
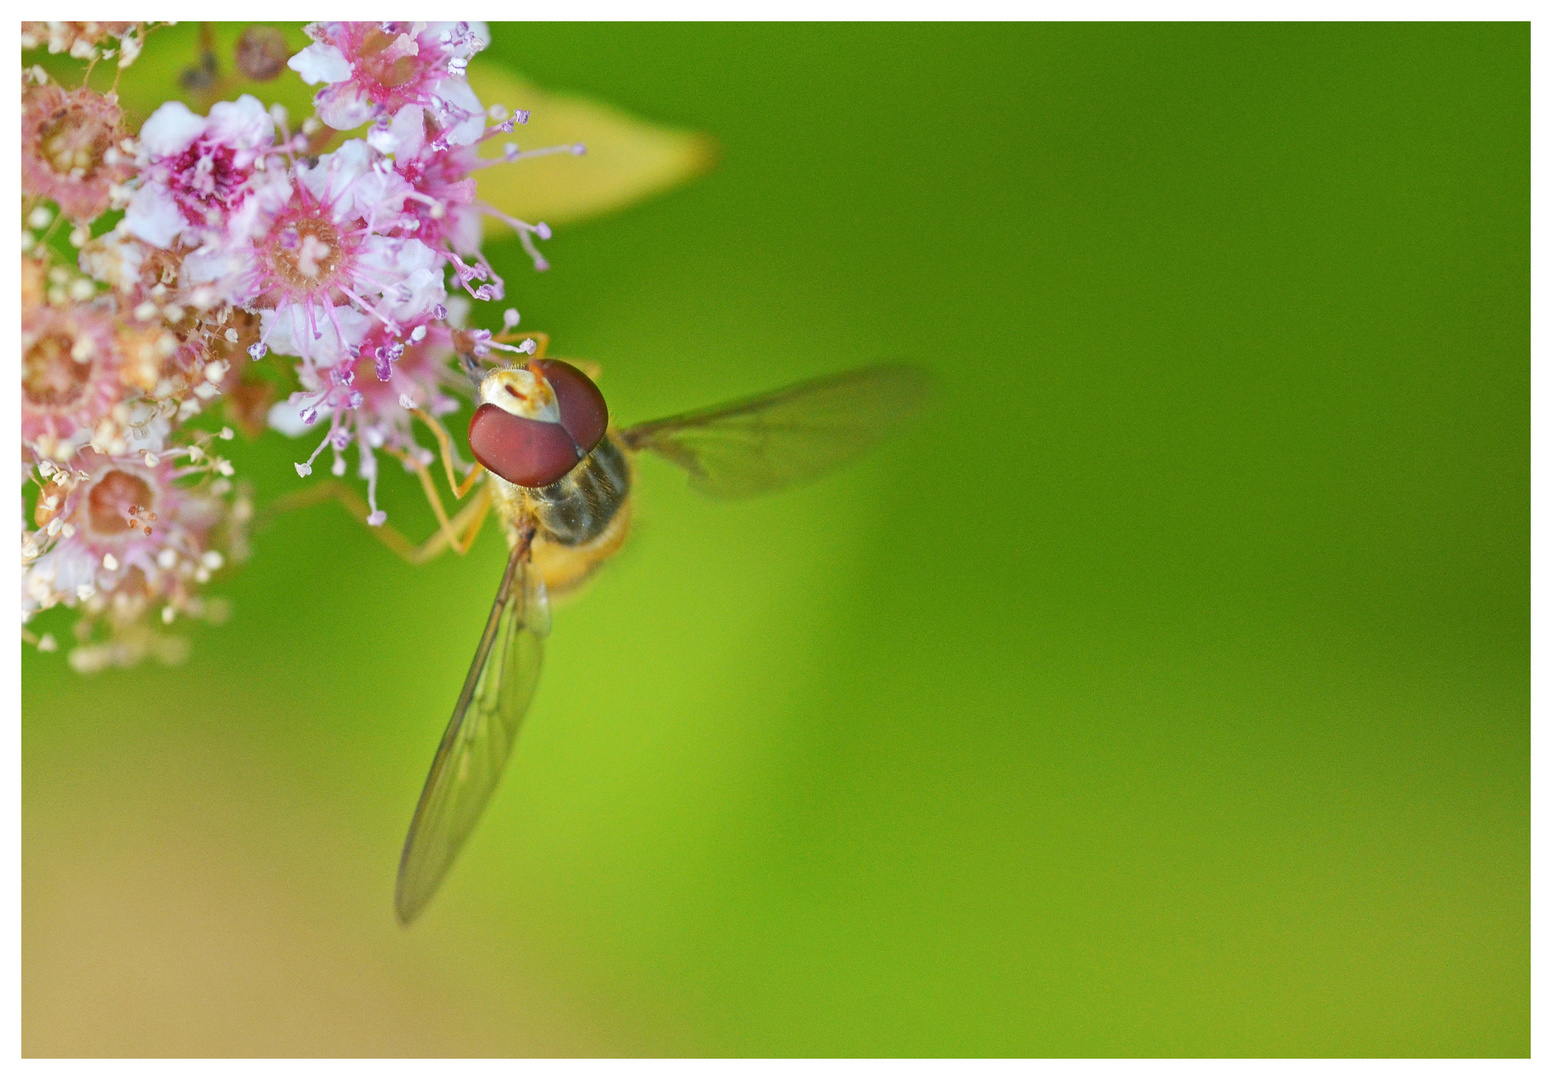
(529, 453)
(582, 409)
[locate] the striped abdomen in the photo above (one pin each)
(580, 506)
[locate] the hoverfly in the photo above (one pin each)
(559, 478)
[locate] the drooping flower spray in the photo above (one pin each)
(243, 241)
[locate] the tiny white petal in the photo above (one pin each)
(170, 130)
(320, 63)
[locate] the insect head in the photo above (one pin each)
(536, 422)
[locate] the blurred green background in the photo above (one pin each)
(1165, 691)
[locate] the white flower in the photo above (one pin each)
(320, 63)
(314, 334)
(370, 71)
(197, 173)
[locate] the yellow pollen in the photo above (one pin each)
(72, 144)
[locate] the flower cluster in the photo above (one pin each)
(87, 40)
(242, 240)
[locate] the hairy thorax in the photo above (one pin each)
(582, 519)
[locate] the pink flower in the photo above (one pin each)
(236, 241)
(320, 262)
(367, 399)
(372, 70)
(417, 377)
(196, 173)
(444, 202)
(121, 535)
(70, 382)
(444, 191)
(71, 148)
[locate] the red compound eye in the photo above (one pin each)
(582, 409)
(536, 453)
(530, 453)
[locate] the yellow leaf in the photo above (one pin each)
(627, 159)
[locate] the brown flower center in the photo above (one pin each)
(229, 340)
(386, 73)
(306, 252)
(119, 502)
(73, 142)
(51, 377)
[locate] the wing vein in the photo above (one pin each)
(478, 740)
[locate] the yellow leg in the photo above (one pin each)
(474, 514)
(511, 337)
(541, 348)
(591, 368)
(458, 534)
(446, 443)
(429, 486)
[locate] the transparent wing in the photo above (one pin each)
(479, 738)
(788, 437)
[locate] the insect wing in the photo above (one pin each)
(479, 737)
(788, 437)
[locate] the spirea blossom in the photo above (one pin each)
(121, 538)
(70, 376)
(372, 70)
(314, 283)
(87, 40)
(196, 173)
(326, 257)
(73, 150)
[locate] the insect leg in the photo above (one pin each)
(591, 368)
(541, 341)
(459, 533)
(446, 443)
(477, 511)
(353, 503)
(429, 486)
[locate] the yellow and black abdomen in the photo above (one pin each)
(578, 507)
(582, 518)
